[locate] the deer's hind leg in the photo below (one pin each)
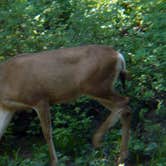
(125, 120)
(119, 110)
(43, 112)
(111, 120)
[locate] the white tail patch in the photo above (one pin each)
(5, 117)
(121, 64)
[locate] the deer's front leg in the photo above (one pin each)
(45, 119)
(5, 117)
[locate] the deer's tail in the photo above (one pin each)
(123, 74)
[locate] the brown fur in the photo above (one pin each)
(41, 79)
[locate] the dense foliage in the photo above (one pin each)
(137, 29)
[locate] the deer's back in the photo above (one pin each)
(57, 75)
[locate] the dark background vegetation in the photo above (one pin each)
(137, 29)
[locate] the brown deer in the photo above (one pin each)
(36, 81)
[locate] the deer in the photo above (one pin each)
(35, 81)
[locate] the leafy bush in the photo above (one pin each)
(137, 29)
